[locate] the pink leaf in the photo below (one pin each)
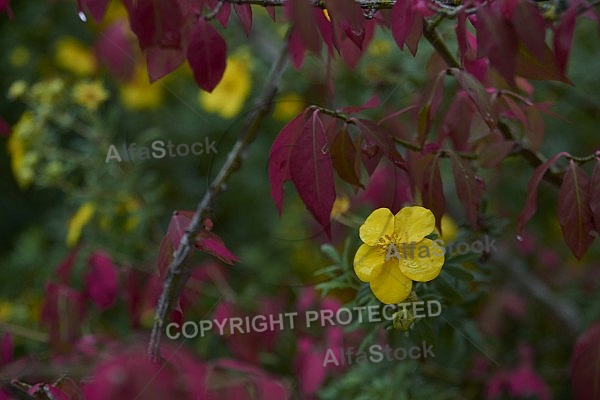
(574, 214)
(162, 61)
(531, 202)
(102, 281)
(207, 55)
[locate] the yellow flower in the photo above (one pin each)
(83, 215)
(230, 94)
(73, 56)
(395, 252)
(90, 94)
(19, 57)
(23, 160)
(17, 89)
(288, 106)
(139, 93)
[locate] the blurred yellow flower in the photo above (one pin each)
(379, 48)
(17, 89)
(340, 206)
(74, 56)
(230, 94)
(23, 160)
(6, 311)
(396, 252)
(139, 93)
(83, 215)
(47, 92)
(288, 106)
(90, 94)
(449, 229)
(19, 57)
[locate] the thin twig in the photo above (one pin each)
(178, 270)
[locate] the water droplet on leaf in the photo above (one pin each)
(520, 238)
(82, 16)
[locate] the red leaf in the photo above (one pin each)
(65, 268)
(563, 37)
(469, 188)
(345, 157)
(497, 40)
(155, 22)
(279, 167)
(5, 7)
(113, 49)
(574, 214)
(95, 7)
(431, 186)
(458, 120)
(207, 55)
(244, 12)
(428, 105)
(300, 14)
(297, 48)
(531, 202)
(478, 94)
(585, 365)
(594, 196)
(494, 153)
(102, 281)
(403, 18)
(162, 61)
(210, 243)
(373, 102)
(311, 171)
(530, 27)
(543, 68)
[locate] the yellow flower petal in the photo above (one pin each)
(367, 258)
(425, 262)
(388, 284)
(78, 221)
(413, 224)
(376, 226)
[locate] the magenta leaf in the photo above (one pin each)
(102, 281)
(585, 365)
(574, 214)
(207, 55)
(162, 61)
(210, 243)
(530, 206)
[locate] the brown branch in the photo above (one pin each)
(178, 270)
